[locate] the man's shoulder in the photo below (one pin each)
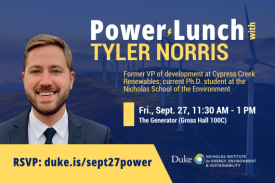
(91, 124)
(8, 125)
(95, 133)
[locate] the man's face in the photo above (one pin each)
(47, 79)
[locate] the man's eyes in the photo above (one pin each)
(35, 71)
(38, 71)
(55, 71)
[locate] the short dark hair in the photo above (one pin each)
(45, 39)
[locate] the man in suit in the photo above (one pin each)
(48, 79)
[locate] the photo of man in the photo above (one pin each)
(48, 79)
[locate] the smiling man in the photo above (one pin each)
(48, 79)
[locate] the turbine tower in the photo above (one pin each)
(104, 65)
(134, 68)
(128, 68)
(143, 58)
(116, 62)
(112, 71)
(180, 126)
(169, 61)
(163, 64)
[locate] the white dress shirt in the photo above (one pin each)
(36, 130)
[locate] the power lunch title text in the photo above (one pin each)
(160, 32)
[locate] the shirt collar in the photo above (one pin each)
(39, 127)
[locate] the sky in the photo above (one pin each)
(72, 19)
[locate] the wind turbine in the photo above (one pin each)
(143, 58)
(127, 61)
(104, 75)
(251, 62)
(180, 126)
(128, 67)
(138, 65)
(112, 71)
(169, 61)
(134, 64)
(116, 62)
(163, 64)
(124, 65)
(134, 67)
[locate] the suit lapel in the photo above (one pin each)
(76, 135)
(19, 133)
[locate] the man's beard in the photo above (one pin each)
(44, 110)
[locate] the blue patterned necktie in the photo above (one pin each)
(49, 133)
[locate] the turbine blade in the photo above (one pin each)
(267, 64)
(171, 42)
(238, 85)
(157, 63)
(162, 42)
(251, 43)
(168, 40)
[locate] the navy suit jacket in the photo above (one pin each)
(81, 131)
